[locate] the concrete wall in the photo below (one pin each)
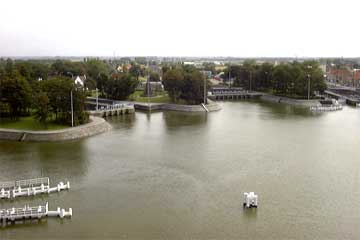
(211, 106)
(96, 126)
(285, 100)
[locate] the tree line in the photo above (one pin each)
(43, 89)
(288, 79)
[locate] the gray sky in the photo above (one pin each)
(244, 28)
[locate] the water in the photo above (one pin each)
(173, 175)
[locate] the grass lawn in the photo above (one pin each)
(161, 98)
(29, 123)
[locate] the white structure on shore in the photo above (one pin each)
(250, 200)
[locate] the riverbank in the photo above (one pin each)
(211, 106)
(298, 102)
(95, 126)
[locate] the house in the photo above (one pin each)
(341, 76)
(80, 80)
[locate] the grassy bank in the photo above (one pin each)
(162, 97)
(29, 123)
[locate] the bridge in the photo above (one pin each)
(224, 93)
(351, 96)
(106, 107)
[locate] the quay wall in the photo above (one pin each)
(95, 126)
(211, 106)
(286, 100)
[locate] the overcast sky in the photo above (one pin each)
(243, 28)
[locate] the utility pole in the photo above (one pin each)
(72, 109)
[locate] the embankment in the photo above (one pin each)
(95, 126)
(211, 106)
(286, 100)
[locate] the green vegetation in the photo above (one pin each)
(27, 90)
(290, 79)
(184, 83)
(30, 123)
(120, 86)
(162, 97)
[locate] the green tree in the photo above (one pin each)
(16, 93)
(154, 77)
(193, 88)
(42, 107)
(120, 86)
(173, 81)
(58, 91)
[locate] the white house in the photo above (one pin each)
(80, 80)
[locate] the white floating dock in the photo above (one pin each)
(36, 212)
(326, 108)
(29, 187)
(250, 200)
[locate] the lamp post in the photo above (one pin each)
(204, 90)
(97, 99)
(72, 108)
(309, 78)
(250, 80)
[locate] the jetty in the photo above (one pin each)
(30, 187)
(327, 105)
(35, 212)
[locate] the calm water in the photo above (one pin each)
(173, 175)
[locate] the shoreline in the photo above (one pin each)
(285, 100)
(211, 106)
(96, 126)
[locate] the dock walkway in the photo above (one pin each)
(29, 187)
(35, 212)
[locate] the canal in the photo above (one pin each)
(172, 175)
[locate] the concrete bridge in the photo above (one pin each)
(352, 97)
(223, 93)
(107, 107)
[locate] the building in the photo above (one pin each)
(342, 76)
(80, 80)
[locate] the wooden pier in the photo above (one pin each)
(35, 212)
(29, 187)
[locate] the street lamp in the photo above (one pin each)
(72, 108)
(309, 78)
(204, 90)
(250, 73)
(97, 99)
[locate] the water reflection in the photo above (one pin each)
(250, 213)
(122, 121)
(59, 161)
(179, 119)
